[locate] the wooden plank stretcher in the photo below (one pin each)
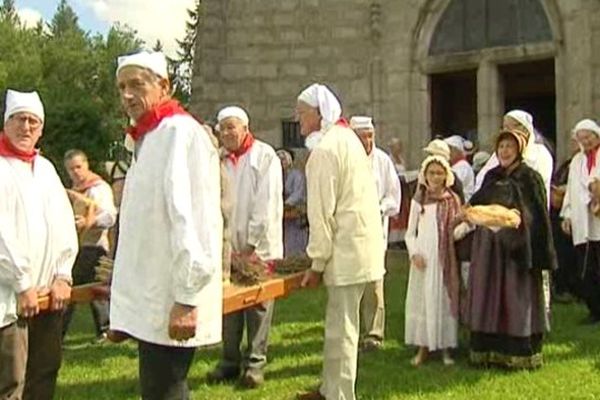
(235, 298)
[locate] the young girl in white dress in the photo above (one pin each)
(433, 284)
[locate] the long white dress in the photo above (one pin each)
(429, 322)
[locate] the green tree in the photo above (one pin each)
(8, 12)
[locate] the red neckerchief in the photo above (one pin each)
(234, 156)
(91, 181)
(461, 158)
(343, 122)
(591, 159)
(8, 150)
(153, 117)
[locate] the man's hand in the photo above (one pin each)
(418, 261)
(28, 303)
(566, 226)
(182, 322)
(60, 294)
(312, 278)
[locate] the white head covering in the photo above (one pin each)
(456, 141)
(468, 146)
(525, 119)
(438, 147)
(441, 160)
(588, 125)
(233, 111)
(361, 122)
(320, 97)
(154, 61)
(17, 102)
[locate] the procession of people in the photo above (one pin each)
(188, 207)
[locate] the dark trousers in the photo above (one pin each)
(30, 357)
(163, 371)
(83, 272)
(257, 321)
(588, 257)
(565, 279)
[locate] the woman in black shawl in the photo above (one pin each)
(505, 305)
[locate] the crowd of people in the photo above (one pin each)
(197, 198)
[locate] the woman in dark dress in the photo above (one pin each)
(505, 304)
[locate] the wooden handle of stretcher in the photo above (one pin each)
(80, 294)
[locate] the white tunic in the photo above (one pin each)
(37, 231)
(257, 195)
(106, 215)
(170, 237)
(388, 187)
(464, 172)
(429, 321)
(584, 225)
(345, 231)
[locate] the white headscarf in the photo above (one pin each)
(154, 61)
(525, 119)
(17, 102)
(233, 111)
(361, 122)
(320, 97)
(456, 141)
(440, 160)
(588, 125)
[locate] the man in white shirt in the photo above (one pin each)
(389, 192)
(346, 241)
(38, 245)
(93, 232)
(460, 166)
(256, 226)
(166, 289)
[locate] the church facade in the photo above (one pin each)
(419, 67)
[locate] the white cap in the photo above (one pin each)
(468, 146)
(154, 61)
(456, 141)
(524, 118)
(480, 158)
(17, 102)
(233, 111)
(361, 122)
(320, 97)
(587, 125)
(438, 147)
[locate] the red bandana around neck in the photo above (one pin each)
(91, 181)
(153, 117)
(343, 122)
(591, 159)
(247, 143)
(8, 150)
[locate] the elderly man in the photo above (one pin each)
(38, 245)
(346, 241)
(166, 289)
(460, 166)
(390, 196)
(93, 232)
(579, 222)
(256, 225)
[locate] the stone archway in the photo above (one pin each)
(485, 58)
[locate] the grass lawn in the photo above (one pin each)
(572, 356)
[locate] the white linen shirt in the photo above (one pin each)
(170, 239)
(388, 187)
(257, 188)
(345, 232)
(584, 225)
(38, 240)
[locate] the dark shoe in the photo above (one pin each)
(253, 378)
(222, 375)
(101, 338)
(315, 395)
(371, 344)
